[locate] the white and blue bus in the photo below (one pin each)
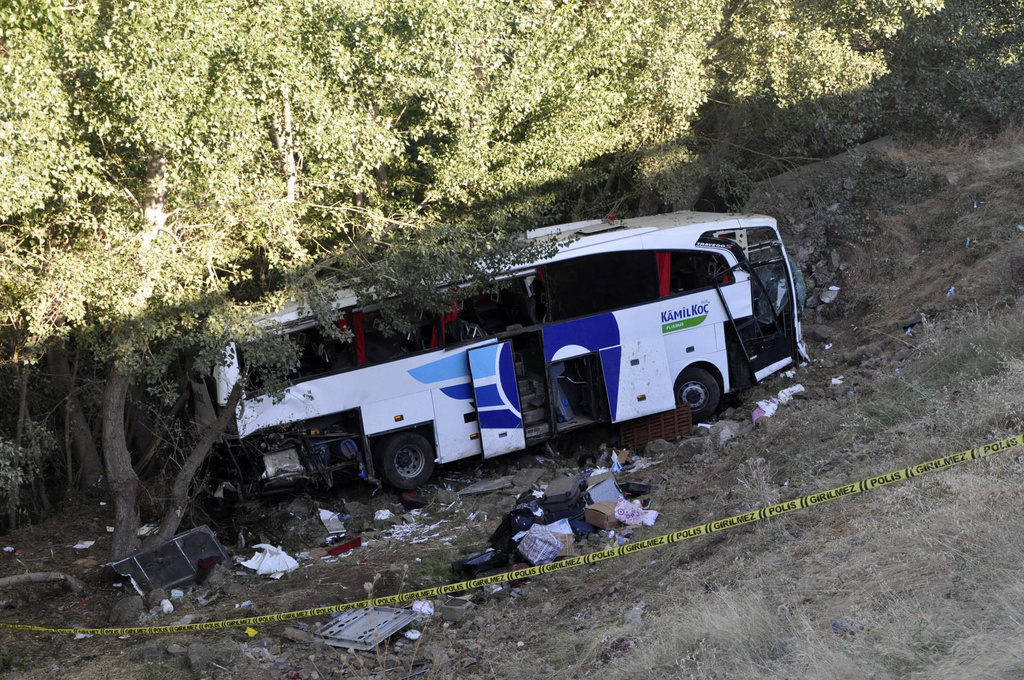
(630, 318)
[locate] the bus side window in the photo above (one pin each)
(602, 282)
(694, 270)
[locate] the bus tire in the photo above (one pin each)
(700, 389)
(405, 460)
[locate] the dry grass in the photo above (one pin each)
(918, 580)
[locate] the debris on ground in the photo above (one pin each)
(271, 561)
(364, 629)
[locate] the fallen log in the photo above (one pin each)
(70, 583)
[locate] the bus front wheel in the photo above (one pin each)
(405, 460)
(700, 389)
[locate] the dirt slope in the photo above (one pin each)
(919, 580)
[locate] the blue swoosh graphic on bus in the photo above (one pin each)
(497, 394)
(459, 391)
(449, 368)
(592, 333)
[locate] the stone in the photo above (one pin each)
(357, 509)
(834, 258)
(151, 654)
(296, 634)
(176, 650)
(526, 479)
(456, 609)
(487, 486)
(126, 611)
(198, 655)
(154, 597)
(724, 430)
(817, 333)
(658, 447)
(693, 446)
(828, 296)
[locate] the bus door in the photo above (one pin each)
(492, 370)
(769, 338)
(635, 379)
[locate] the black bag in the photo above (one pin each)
(480, 562)
(518, 520)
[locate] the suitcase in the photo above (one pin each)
(562, 494)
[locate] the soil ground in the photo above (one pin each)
(917, 580)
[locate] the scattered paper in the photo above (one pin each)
(83, 545)
(412, 634)
(828, 346)
(765, 408)
(332, 523)
(837, 381)
(383, 514)
(787, 394)
(147, 529)
(423, 607)
(8, 549)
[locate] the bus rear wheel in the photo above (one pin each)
(405, 460)
(700, 389)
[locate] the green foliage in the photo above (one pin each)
(424, 135)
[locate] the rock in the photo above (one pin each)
(469, 661)
(693, 446)
(817, 333)
(126, 611)
(526, 479)
(198, 655)
(828, 296)
(834, 257)
(296, 635)
(176, 650)
(154, 596)
(456, 609)
(724, 430)
(151, 654)
(658, 447)
(217, 575)
(849, 184)
(357, 509)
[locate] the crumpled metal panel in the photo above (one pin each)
(364, 629)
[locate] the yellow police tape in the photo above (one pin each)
(667, 539)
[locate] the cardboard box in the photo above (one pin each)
(602, 515)
(606, 490)
(568, 545)
(594, 480)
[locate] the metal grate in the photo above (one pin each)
(364, 629)
(668, 426)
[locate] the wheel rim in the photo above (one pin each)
(695, 393)
(410, 461)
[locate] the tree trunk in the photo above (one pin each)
(284, 142)
(183, 481)
(13, 499)
(70, 583)
(121, 478)
(153, 211)
(82, 442)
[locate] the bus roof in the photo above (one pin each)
(686, 228)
